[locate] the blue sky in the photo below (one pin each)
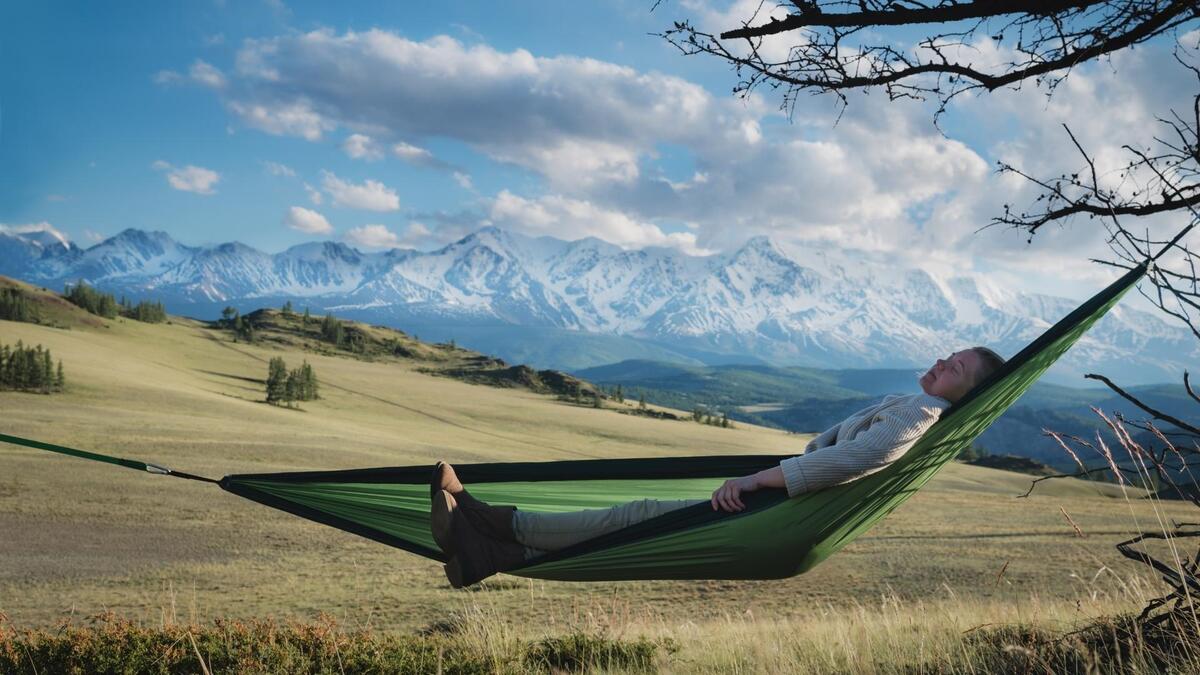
(411, 124)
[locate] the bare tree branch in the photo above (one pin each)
(1155, 413)
(811, 15)
(832, 52)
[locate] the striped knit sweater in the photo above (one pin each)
(863, 443)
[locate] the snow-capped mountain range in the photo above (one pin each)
(524, 297)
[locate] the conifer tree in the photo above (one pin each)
(641, 400)
(28, 368)
(227, 315)
(309, 380)
(59, 381)
(277, 376)
(291, 388)
(82, 295)
(333, 331)
(307, 315)
(14, 306)
(46, 376)
(725, 420)
(287, 309)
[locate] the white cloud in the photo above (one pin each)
(463, 180)
(730, 16)
(361, 146)
(166, 77)
(372, 236)
(296, 118)
(200, 72)
(417, 231)
(206, 74)
(277, 169)
(418, 156)
(555, 215)
(370, 195)
(29, 228)
(547, 114)
(411, 153)
(314, 195)
(307, 221)
(189, 178)
(881, 179)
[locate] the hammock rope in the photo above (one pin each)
(774, 537)
(134, 464)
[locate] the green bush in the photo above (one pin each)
(583, 652)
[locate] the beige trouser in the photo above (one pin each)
(541, 532)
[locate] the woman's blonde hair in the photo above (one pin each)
(989, 362)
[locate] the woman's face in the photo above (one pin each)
(952, 377)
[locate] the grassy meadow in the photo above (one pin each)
(80, 538)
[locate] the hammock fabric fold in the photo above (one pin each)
(774, 537)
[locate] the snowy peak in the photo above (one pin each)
(46, 240)
(131, 253)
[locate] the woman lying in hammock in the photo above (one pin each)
(482, 540)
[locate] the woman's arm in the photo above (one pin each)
(728, 496)
(886, 440)
(891, 434)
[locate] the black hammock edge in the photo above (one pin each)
(646, 468)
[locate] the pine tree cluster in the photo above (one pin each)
(14, 306)
(29, 369)
(332, 331)
(285, 387)
(243, 328)
(92, 300)
(699, 414)
(337, 333)
(148, 312)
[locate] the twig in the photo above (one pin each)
(195, 648)
(1078, 532)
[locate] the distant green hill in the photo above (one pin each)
(807, 400)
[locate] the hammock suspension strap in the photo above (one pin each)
(137, 465)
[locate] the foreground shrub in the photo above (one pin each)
(112, 645)
(580, 651)
(1109, 645)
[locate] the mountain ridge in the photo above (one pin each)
(820, 308)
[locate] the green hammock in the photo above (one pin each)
(774, 537)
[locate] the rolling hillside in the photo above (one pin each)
(79, 537)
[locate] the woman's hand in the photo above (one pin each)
(729, 495)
